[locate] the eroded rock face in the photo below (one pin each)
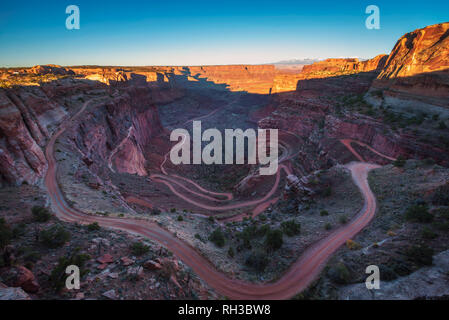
(339, 66)
(21, 158)
(51, 69)
(416, 74)
(118, 132)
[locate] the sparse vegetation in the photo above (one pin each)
(217, 237)
(54, 237)
(399, 162)
(41, 214)
(257, 260)
(139, 249)
(93, 226)
(291, 228)
(422, 255)
(5, 233)
(418, 213)
(324, 213)
(273, 240)
(343, 219)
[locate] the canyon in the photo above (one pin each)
(97, 139)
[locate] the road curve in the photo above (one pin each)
(298, 276)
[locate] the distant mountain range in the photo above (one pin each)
(297, 61)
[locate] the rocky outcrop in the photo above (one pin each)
(11, 293)
(21, 277)
(250, 78)
(51, 69)
(426, 282)
(119, 131)
(341, 66)
(21, 158)
(416, 74)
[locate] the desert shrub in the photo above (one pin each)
(93, 226)
(217, 237)
(263, 230)
(441, 195)
(231, 252)
(139, 249)
(343, 219)
(197, 236)
(40, 214)
(339, 273)
(291, 228)
(58, 276)
(54, 237)
(328, 226)
(422, 255)
(426, 233)
(5, 233)
(173, 210)
(29, 255)
(273, 239)
(155, 211)
(387, 273)
(327, 192)
(442, 212)
(19, 230)
(324, 213)
(442, 125)
(418, 213)
(180, 218)
(257, 260)
(352, 245)
(399, 162)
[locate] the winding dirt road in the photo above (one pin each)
(299, 275)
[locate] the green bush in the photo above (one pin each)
(54, 237)
(93, 226)
(40, 214)
(5, 233)
(155, 211)
(180, 218)
(418, 213)
(422, 255)
(173, 210)
(399, 162)
(324, 213)
(327, 192)
(428, 234)
(58, 276)
(19, 230)
(339, 273)
(343, 219)
(139, 249)
(231, 252)
(257, 260)
(291, 228)
(328, 226)
(273, 240)
(217, 237)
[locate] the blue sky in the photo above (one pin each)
(204, 32)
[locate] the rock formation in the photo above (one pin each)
(416, 74)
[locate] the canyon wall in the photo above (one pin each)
(416, 74)
(118, 132)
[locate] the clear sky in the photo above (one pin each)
(172, 32)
